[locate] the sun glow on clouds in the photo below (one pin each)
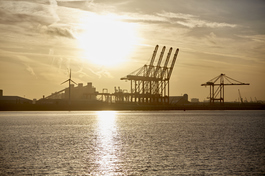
(105, 40)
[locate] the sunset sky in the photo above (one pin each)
(104, 40)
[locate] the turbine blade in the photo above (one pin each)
(73, 81)
(70, 73)
(65, 81)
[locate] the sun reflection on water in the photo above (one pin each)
(106, 121)
(107, 146)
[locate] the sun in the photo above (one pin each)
(106, 41)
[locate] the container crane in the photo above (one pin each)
(218, 94)
(150, 83)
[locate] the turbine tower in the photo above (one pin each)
(69, 80)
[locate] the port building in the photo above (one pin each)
(78, 93)
(6, 100)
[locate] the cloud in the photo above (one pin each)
(213, 40)
(58, 30)
(19, 11)
(256, 38)
(30, 70)
(82, 73)
(27, 17)
(101, 72)
(74, 0)
(26, 62)
(185, 20)
(40, 16)
(145, 18)
(88, 5)
(192, 21)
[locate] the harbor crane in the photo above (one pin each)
(150, 83)
(219, 82)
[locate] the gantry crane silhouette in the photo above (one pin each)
(218, 94)
(150, 83)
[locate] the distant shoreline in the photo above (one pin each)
(128, 106)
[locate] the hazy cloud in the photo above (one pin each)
(58, 30)
(140, 17)
(101, 72)
(256, 38)
(81, 73)
(192, 21)
(19, 11)
(40, 15)
(88, 5)
(30, 70)
(75, 0)
(27, 63)
(214, 40)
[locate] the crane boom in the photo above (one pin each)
(150, 84)
(154, 55)
(166, 62)
(159, 61)
(152, 61)
(172, 64)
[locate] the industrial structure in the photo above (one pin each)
(218, 94)
(78, 93)
(150, 83)
(13, 99)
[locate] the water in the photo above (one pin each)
(132, 143)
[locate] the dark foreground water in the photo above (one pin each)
(132, 143)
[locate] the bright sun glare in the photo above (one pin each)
(106, 41)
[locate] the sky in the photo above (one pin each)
(102, 41)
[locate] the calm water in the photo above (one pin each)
(132, 143)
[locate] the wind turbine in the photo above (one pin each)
(69, 80)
